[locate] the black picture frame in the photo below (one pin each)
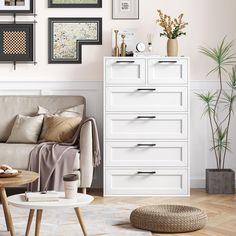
(31, 9)
(75, 5)
(79, 44)
(125, 18)
(9, 47)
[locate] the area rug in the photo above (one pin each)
(107, 220)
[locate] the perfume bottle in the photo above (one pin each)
(150, 40)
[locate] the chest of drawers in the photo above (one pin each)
(146, 126)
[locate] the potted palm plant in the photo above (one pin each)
(219, 110)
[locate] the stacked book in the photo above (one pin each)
(49, 196)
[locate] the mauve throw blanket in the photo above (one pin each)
(53, 160)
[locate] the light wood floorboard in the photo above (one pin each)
(221, 209)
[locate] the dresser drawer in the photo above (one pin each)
(125, 71)
(146, 154)
(166, 71)
(145, 127)
(146, 182)
(146, 99)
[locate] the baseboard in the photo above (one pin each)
(197, 183)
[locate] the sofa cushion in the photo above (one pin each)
(76, 111)
(11, 106)
(59, 129)
(26, 129)
(17, 155)
(68, 112)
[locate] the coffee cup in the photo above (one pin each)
(70, 185)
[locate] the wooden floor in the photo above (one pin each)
(221, 209)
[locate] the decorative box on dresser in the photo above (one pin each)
(146, 126)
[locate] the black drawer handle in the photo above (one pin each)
(146, 172)
(146, 117)
(146, 145)
(131, 62)
(167, 61)
(146, 89)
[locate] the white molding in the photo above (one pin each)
(194, 84)
(205, 84)
(93, 91)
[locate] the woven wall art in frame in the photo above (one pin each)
(68, 35)
(16, 42)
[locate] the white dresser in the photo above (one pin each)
(146, 126)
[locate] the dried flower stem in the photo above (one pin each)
(172, 28)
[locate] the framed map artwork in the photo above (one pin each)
(75, 3)
(68, 35)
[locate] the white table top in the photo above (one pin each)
(81, 200)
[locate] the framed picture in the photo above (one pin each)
(125, 9)
(75, 3)
(16, 6)
(68, 35)
(16, 42)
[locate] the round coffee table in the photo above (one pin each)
(25, 177)
(79, 201)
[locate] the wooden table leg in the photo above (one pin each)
(77, 211)
(38, 222)
(30, 218)
(7, 212)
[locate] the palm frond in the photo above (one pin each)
(220, 140)
(222, 55)
(232, 79)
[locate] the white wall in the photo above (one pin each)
(209, 21)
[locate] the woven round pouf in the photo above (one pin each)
(168, 218)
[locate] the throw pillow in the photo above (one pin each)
(76, 111)
(26, 129)
(59, 129)
(68, 112)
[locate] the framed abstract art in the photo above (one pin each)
(16, 42)
(16, 6)
(125, 9)
(75, 3)
(68, 35)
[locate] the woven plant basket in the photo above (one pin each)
(168, 218)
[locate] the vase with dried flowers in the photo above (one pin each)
(172, 29)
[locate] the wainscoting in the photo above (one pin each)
(92, 91)
(201, 157)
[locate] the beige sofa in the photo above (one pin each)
(17, 155)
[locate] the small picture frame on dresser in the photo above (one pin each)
(125, 9)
